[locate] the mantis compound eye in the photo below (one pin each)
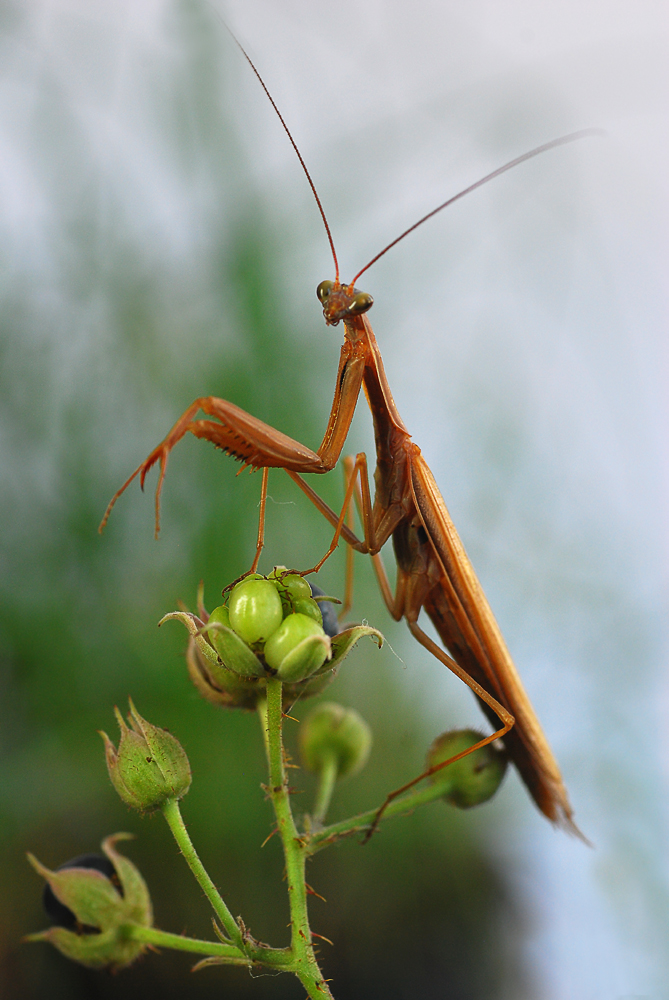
(324, 289)
(361, 302)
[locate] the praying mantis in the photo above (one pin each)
(433, 570)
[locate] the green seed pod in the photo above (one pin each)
(277, 573)
(470, 780)
(149, 767)
(232, 650)
(297, 648)
(331, 730)
(309, 607)
(255, 610)
(94, 898)
(276, 576)
(221, 616)
(296, 586)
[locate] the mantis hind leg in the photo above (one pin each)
(504, 716)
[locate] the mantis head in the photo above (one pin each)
(342, 301)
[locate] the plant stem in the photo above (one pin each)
(163, 939)
(304, 965)
(363, 821)
(172, 814)
(327, 779)
(277, 958)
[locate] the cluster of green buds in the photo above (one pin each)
(272, 626)
(92, 902)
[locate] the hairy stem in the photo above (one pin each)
(363, 821)
(327, 779)
(304, 965)
(228, 954)
(172, 814)
(163, 939)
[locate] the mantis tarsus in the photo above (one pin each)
(433, 570)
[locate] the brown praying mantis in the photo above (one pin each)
(433, 570)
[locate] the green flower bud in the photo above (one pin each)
(297, 648)
(470, 780)
(255, 610)
(233, 651)
(331, 730)
(150, 765)
(97, 901)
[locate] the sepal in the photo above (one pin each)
(343, 642)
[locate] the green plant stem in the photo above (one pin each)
(304, 965)
(163, 939)
(327, 779)
(362, 822)
(277, 958)
(172, 814)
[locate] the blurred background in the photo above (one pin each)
(159, 243)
